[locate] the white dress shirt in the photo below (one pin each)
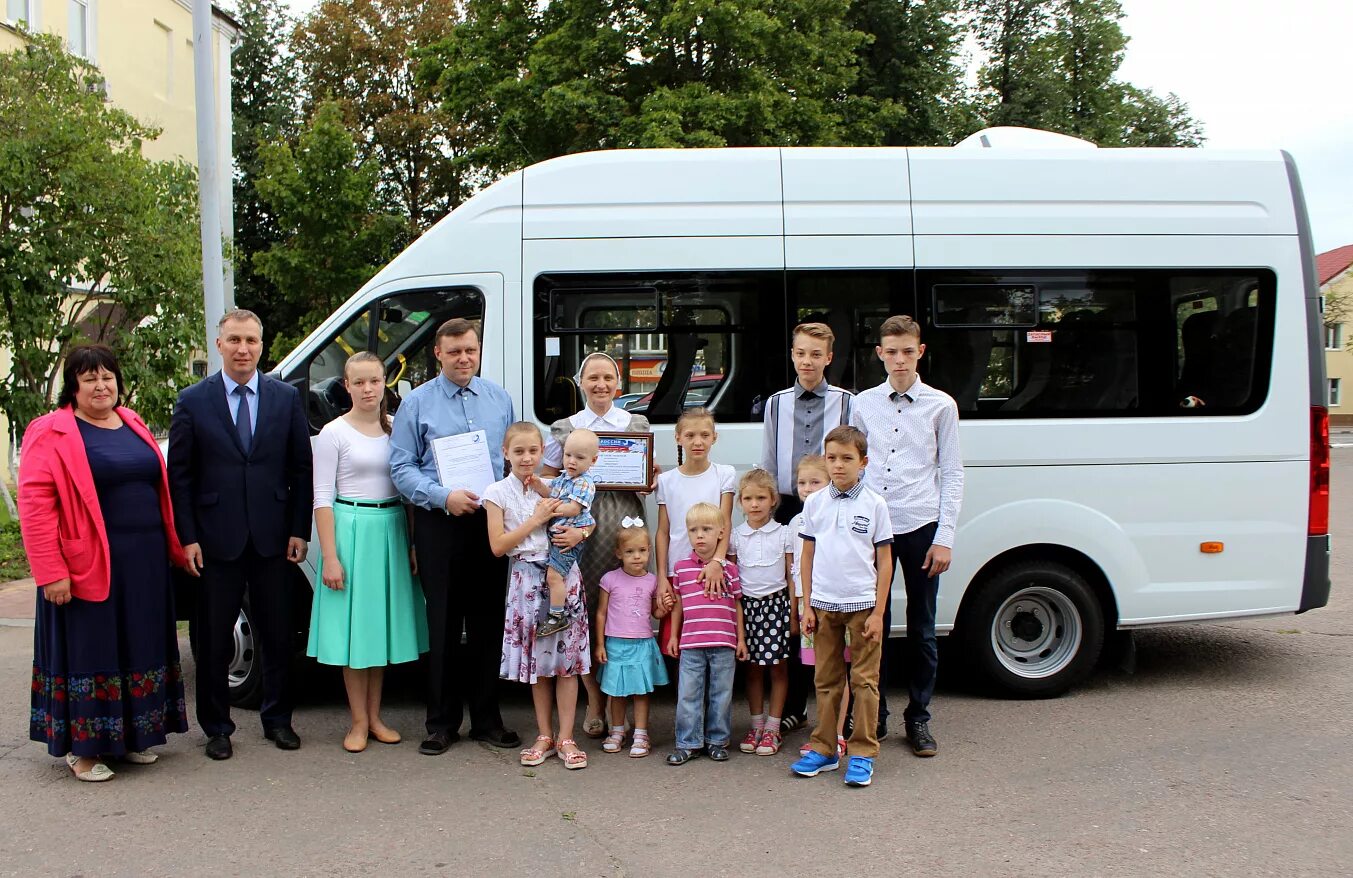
(914, 459)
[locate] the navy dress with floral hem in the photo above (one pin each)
(106, 677)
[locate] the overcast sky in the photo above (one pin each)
(1258, 74)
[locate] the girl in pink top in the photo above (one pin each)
(632, 664)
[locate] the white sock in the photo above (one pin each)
(773, 723)
(641, 732)
(758, 720)
(619, 730)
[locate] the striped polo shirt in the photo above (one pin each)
(705, 621)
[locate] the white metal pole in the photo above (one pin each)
(208, 178)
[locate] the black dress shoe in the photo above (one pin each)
(922, 743)
(218, 747)
(436, 743)
(500, 737)
(284, 737)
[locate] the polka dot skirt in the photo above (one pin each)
(767, 627)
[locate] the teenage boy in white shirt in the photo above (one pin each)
(847, 567)
(796, 421)
(916, 466)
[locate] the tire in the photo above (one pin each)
(245, 672)
(1032, 630)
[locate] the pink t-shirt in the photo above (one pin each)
(706, 621)
(629, 610)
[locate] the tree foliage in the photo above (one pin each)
(265, 103)
(358, 54)
(97, 243)
(334, 236)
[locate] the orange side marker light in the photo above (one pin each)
(1211, 548)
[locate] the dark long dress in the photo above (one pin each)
(106, 677)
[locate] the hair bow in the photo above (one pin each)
(631, 522)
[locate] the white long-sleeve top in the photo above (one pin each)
(351, 464)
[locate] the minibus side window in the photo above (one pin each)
(1101, 343)
(682, 340)
(854, 304)
(402, 336)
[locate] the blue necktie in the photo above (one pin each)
(243, 423)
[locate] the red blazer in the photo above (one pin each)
(63, 529)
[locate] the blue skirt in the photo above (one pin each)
(633, 666)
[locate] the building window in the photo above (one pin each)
(78, 34)
(1334, 392)
(19, 10)
(1334, 337)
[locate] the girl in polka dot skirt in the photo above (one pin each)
(762, 548)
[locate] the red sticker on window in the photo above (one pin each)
(1035, 335)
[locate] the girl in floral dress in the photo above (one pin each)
(517, 519)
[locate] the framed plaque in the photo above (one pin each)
(624, 462)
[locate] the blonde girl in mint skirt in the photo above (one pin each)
(369, 612)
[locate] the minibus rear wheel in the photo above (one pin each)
(1033, 629)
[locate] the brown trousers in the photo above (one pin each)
(830, 677)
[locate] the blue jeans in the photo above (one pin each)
(704, 711)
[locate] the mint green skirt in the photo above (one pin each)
(378, 618)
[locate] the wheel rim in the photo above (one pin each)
(1036, 632)
(243, 658)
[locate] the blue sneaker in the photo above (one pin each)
(860, 772)
(813, 763)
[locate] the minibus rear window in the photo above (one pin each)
(1186, 343)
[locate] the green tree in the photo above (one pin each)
(358, 54)
(97, 243)
(1146, 119)
(1020, 83)
(911, 58)
(572, 75)
(265, 108)
(1089, 44)
(334, 236)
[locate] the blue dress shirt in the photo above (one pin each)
(233, 399)
(440, 408)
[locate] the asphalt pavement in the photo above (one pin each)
(1225, 752)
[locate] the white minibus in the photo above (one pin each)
(1131, 335)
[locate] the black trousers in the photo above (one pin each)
(224, 584)
(465, 587)
(922, 650)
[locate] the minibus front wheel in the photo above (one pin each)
(1033, 629)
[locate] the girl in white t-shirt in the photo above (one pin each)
(762, 548)
(369, 613)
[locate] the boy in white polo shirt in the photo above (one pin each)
(846, 569)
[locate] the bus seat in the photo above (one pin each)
(1198, 338)
(670, 394)
(1233, 366)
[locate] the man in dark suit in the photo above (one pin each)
(240, 476)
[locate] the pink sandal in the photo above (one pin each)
(537, 755)
(641, 746)
(575, 760)
(615, 740)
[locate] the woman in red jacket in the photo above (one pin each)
(99, 533)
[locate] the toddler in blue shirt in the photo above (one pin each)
(575, 491)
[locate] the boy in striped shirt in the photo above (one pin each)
(707, 635)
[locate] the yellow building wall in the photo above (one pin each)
(144, 48)
(1339, 363)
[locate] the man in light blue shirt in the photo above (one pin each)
(464, 584)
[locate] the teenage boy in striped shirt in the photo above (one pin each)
(796, 421)
(916, 466)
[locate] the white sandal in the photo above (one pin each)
(98, 774)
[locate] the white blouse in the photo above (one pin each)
(518, 504)
(351, 465)
(616, 420)
(761, 557)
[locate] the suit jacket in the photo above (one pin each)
(59, 513)
(223, 498)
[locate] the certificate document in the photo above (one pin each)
(624, 462)
(463, 462)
